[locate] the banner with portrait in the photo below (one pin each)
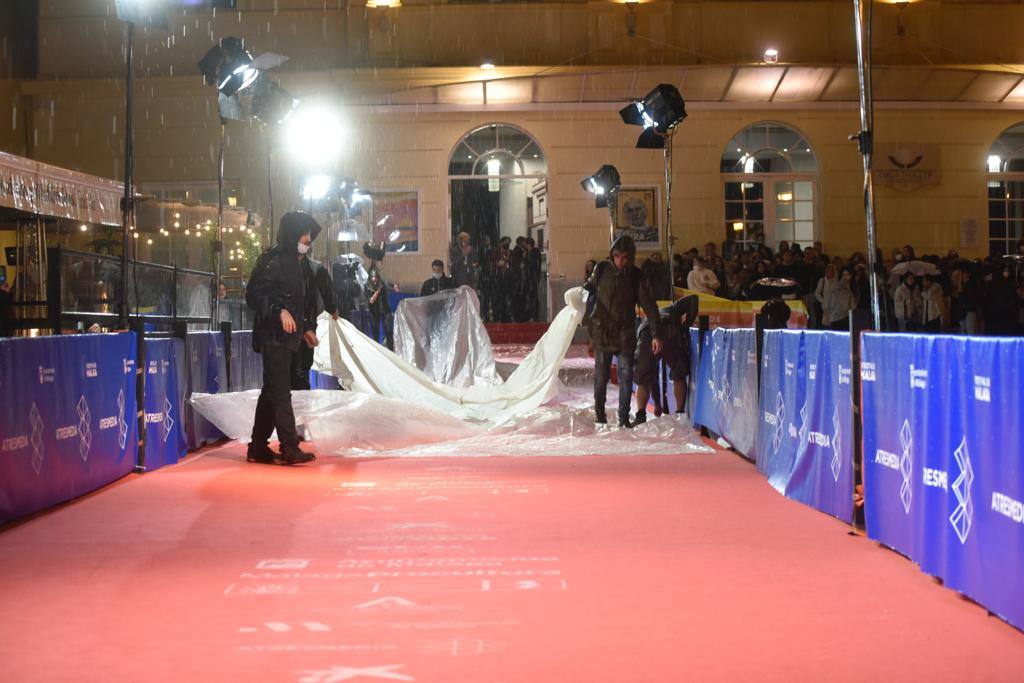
(638, 214)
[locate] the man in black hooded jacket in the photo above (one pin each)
(277, 293)
(615, 289)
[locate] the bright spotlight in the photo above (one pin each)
(317, 187)
(83, 227)
(395, 234)
(771, 56)
(603, 184)
(313, 136)
(271, 103)
(995, 164)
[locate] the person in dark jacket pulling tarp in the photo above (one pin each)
(615, 290)
(277, 293)
(319, 298)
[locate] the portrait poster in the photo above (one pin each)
(637, 214)
(395, 220)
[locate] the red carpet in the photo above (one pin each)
(496, 570)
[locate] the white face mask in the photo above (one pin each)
(303, 248)
(437, 276)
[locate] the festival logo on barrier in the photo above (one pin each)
(963, 515)
(38, 448)
(837, 461)
(779, 419)
(122, 426)
(906, 465)
(84, 428)
(168, 421)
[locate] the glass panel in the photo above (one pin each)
(1014, 229)
(195, 295)
(733, 191)
(804, 211)
(753, 191)
(755, 211)
(997, 228)
(733, 211)
(1015, 209)
(804, 232)
(996, 190)
(150, 289)
(783, 231)
(755, 232)
(997, 248)
(784, 211)
(91, 283)
(775, 148)
(997, 209)
(804, 190)
(1015, 190)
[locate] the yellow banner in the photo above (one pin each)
(729, 313)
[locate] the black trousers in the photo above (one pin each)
(602, 375)
(274, 409)
(302, 363)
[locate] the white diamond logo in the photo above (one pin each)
(122, 426)
(836, 459)
(963, 515)
(168, 423)
(780, 418)
(906, 465)
(38, 448)
(84, 428)
(804, 424)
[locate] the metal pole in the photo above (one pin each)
(218, 249)
(668, 216)
(270, 195)
(127, 203)
(863, 10)
(613, 203)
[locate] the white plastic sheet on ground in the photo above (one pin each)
(444, 336)
(396, 409)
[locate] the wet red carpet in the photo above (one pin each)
(495, 570)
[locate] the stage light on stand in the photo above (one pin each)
(659, 113)
(228, 66)
(272, 104)
(316, 187)
(603, 184)
(995, 164)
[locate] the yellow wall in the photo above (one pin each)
(78, 124)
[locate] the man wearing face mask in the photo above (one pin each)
(438, 281)
(277, 294)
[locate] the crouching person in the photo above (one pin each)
(676, 321)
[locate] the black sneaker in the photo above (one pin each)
(640, 419)
(261, 454)
(293, 455)
(599, 416)
(624, 422)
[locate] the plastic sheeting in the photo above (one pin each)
(444, 336)
(367, 367)
(350, 423)
(397, 409)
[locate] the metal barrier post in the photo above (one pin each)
(759, 321)
(225, 329)
(703, 325)
(138, 327)
(860, 321)
(54, 289)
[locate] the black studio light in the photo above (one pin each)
(603, 184)
(659, 113)
(271, 104)
(228, 66)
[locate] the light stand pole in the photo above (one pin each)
(218, 246)
(863, 10)
(128, 201)
(669, 239)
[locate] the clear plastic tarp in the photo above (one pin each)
(394, 408)
(444, 336)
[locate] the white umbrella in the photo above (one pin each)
(915, 267)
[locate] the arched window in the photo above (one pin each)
(1005, 166)
(770, 173)
(499, 188)
(498, 179)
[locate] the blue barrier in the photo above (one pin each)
(805, 438)
(207, 373)
(727, 387)
(246, 364)
(165, 421)
(944, 460)
(68, 422)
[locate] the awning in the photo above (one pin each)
(47, 190)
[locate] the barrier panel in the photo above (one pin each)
(165, 383)
(727, 387)
(695, 353)
(943, 421)
(246, 364)
(68, 422)
(207, 373)
(805, 434)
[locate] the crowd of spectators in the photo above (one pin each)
(927, 293)
(507, 279)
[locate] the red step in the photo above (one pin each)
(515, 333)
